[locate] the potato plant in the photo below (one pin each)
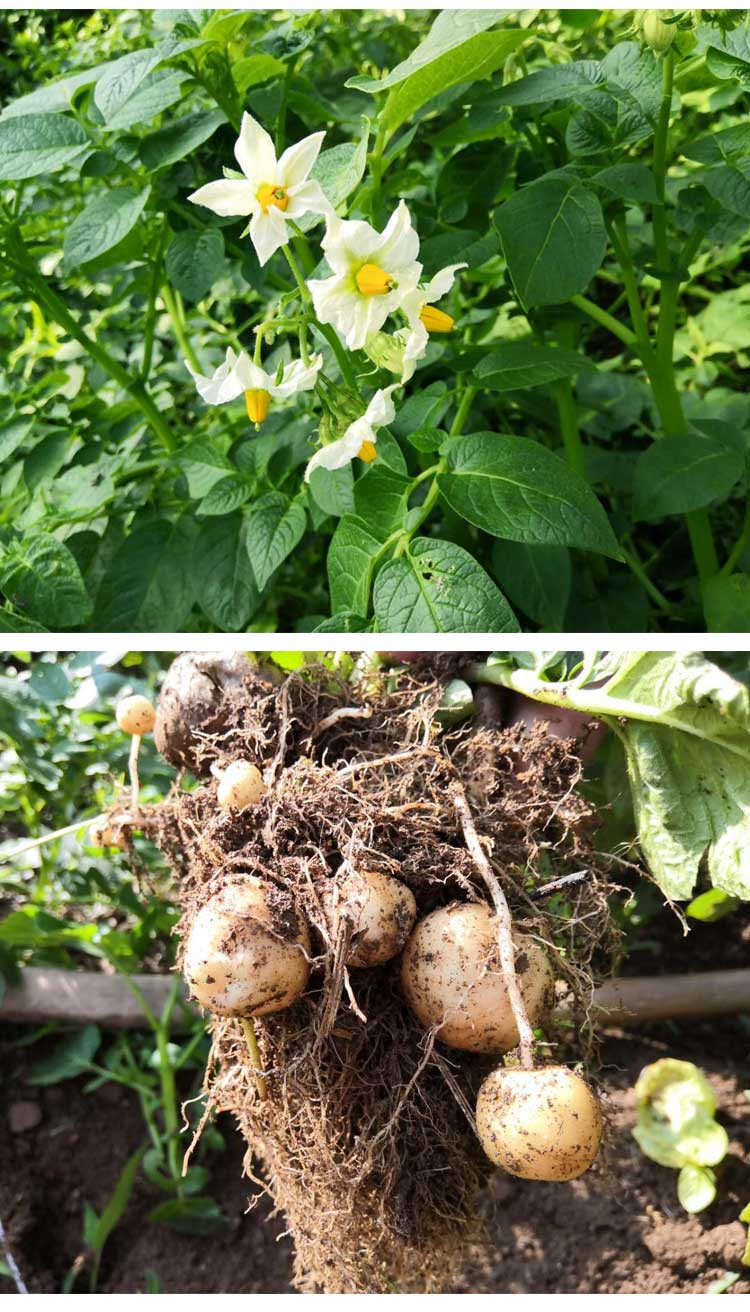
(326, 320)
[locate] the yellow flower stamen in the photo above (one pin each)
(436, 321)
(374, 281)
(257, 401)
(367, 452)
(269, 195)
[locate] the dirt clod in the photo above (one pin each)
(23, 1116)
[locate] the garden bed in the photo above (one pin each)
(623, 1230)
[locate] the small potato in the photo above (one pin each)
(382, 911)
(452, 979)
(135, 715)
(247, 951)
(103, 834)
(541, 1124)
(240, 784)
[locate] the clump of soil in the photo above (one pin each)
(366, 1138)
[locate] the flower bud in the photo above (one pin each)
(655, 33)
(385, 351)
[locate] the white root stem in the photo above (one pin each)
(504, 928)
(344, 713)
(10, 1262)
(56, 833)
(135, 787)
(251, 1040)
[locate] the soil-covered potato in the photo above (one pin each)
(135, 715)
(382, 911)
(194, 699)
(452, 979)
(240, 785)
(247, 950)
(542, 1124)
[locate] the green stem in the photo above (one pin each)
(605, 320)
(325, 328)
(571, 433)
(661, 145)
(58, 311)
(463, 411)
(173, 302)
(148, 341)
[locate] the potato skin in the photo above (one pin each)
(247, 950)
(382, 911)
(103, 834)
(193, 699)
(135, 715)
(543, 1124)
(239, 785)
(452, 978)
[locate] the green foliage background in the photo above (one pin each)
(573, 457)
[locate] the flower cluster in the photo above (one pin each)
(374, 276)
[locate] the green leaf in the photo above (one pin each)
(535, 579)
(514, 488)
(195, 261)
(350, 565)
(41, 576)
(190, 1216)
(179, 139)
(689, 770)
(276, 526)
(696, 1188)
(676, 474)
(225, 496)
(470, 61)
(55, 97)
(254, 69)
(222, 577)
(720, 146)
(148, 588)
(13, 434)
(451, 28)
(333, 490)
(106, 220)
(563, 82)
(630, 181)
(117, 1202)
(439, 588)
(339, 171)
(712, 906)
(380, 499)
(125, 76)
(730, 186)
(726, 603)
(156, 93)
(40, 143)
(554, 240)
(69, 1058)
(516, 365)
(204, 466)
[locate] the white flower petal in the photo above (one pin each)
(297, 377)
(296, 162)
(415, 339)
(225, 197)
(441, 284)
(223, 384)
(348, 242)
(335, 455)
(398, 247)
(333, 298)
(250, 374)
(254, 152)
(268, 231)
(381, 409)
(308, 198)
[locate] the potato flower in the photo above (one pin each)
(373, 273)
(272, 190)
(425, 318)
(239, 374)
(360, 437)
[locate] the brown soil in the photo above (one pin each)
(616, 1231)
